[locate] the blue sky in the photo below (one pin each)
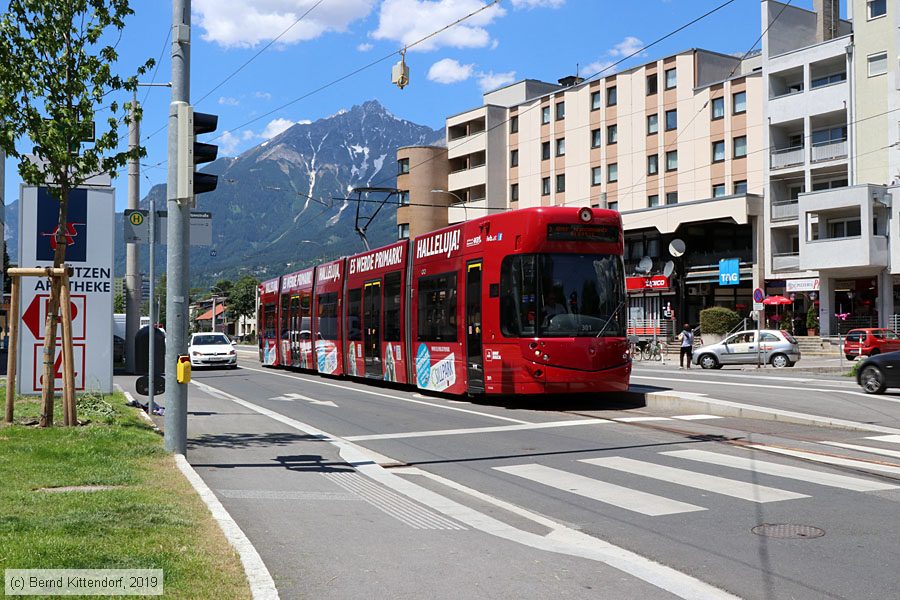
(538, 39)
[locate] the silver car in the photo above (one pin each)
(778, 348)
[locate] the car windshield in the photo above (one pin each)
(562, 295)
(209, 340)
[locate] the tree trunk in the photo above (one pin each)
(48, 380)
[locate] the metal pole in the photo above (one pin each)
(132, 250)
(177, 238)
(759, 317)
(214, 313)
(151, 367)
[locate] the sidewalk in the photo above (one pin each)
(835, 366)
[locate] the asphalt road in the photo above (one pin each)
(353, 490)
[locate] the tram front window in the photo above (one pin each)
(562, 295)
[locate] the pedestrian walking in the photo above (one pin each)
(687, 346)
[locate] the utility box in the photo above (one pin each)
(183, 373)
(142, 351)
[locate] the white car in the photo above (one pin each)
(212, 350)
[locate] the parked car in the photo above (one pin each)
(879, 372)
(870, 342)
(778, 348)
(212, 350)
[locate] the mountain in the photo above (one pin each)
(273, 210)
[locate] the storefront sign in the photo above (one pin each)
(729, 271)
(801, 285)
(641, 284)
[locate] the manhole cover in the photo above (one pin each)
(788, 531)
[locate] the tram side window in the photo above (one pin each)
(392, 307)
(518, 295)
(305, 299)
(437, 308)
(270, 312)
(326, 320)
(295, 318)
(285, 316)
(354, 333)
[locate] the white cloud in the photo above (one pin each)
(364, 47)
(247, 135)
(407, 21)
(491, 81)
(228, 144)
(449, 70)
(263, 95)
(598, 66)
(242, 24)
(229, 101)
(537, 3)
(280, 125)
(626, 47)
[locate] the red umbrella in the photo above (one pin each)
(777, 300)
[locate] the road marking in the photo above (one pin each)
(830, 460)
(561, 540)
(498, 428)
(701, 481)
(640, 419)
(695, 417)
(767, 377)
(893, 439)
(608, 493)
(790, 472)
(869, 449)
(293, 396)
(379, 394)
(776, 387)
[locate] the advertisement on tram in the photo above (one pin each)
(296, 339)
(267, 319)
(327, 308)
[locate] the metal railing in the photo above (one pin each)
(785, 210)
(787, 157)
(648, 328)
(829, 151)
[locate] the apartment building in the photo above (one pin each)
(422, 176)
(832, 158)
(674, 145)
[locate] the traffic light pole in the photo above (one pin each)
(178, 239)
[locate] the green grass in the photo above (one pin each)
(153, 520)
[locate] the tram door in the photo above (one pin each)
(372, 329)
(474, 358)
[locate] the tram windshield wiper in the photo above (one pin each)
(611, 317)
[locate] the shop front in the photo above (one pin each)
(650, 302)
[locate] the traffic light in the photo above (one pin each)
(191, 152)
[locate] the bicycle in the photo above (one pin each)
(652, 350)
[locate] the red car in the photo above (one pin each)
(869, 342)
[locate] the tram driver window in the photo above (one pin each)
(437, 308)
(354, 333)
(392, 307)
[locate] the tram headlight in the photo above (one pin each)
(586, 214)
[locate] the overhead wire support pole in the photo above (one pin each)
(132, 249)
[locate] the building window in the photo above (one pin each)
(718, 190)
(653, 164)
(404, 198)
(560, 183)
(844, 228)
(613, 206)
(652, 124)
(513, 158)
(672, 160)
(514, 192)
(671, 79)
(652, 84)
(718, 151)
(514, 124)
(612, 98)
(740, 187)
(739, 103)
(877, 8)
(545, 186)
(561, 147)
(740, 146)
(827, 80)
(560, 111)
(596, 176)
(877, 64)
(402, 231)
(545, 115)
(718, 108)
(653, 200)
(596, 102)
(671, 197)
(612, 134)
(545, 150)
(403, 166)
(832, 135)
(671, 119)
(596, 138)
(612, 172)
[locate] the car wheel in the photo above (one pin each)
(875, 352)
(708, 361)
(872, 380)
(850, 356)
(780, 361)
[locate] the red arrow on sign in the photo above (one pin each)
(32, 317)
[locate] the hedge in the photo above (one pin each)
(718, 320)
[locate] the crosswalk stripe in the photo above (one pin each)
(696, 417)
(710, 483)
(608, 493)
(869, 449)
(830, 460)
(893, 439)
(640, 419)
(769, 468)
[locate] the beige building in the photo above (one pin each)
(422, 177)
(674, 145)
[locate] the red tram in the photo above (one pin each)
(523, 302)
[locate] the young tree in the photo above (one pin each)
(243, 297)
(57, 86)
(119, 302)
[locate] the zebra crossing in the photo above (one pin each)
(689, 474)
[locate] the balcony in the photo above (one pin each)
(782, 211)
(829, 151)
(787, 261)
(788, 157)
(467, 178)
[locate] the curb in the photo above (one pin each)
(686, 401)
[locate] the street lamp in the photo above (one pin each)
(461, 201)
(215, 290)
